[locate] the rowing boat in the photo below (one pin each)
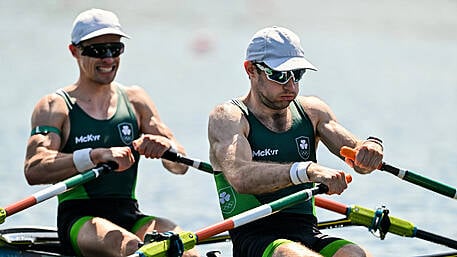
(44, 242)
(30, 242)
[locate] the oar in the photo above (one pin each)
(400, 227)
(55, 190)
(374, 220)
(189, 239)
(409, 176)
(174, 156)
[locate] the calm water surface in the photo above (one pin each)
(386, 69)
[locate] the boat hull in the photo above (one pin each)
(30, 242)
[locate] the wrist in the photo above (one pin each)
(82, 160)
(298, 172)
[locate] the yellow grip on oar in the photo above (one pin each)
(160, 248)
(364, 216)
(2, 215)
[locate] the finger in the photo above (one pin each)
(349, 162)
(137, 142)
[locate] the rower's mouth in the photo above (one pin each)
(106, 69)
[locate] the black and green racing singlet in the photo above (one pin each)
(296, 144)
(87, 132)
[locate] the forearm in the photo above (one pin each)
(257, 177)
(334, 136)
(48, 167)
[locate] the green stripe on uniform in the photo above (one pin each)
(74, 231)
(334, 246)
(273, 245)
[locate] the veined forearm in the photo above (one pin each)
(258, 178)
(49, 167)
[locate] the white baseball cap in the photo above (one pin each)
(93, 23)
(279, 48)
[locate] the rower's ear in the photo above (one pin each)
(73, 50)
(249, 67)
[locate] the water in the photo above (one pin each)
(387, 68)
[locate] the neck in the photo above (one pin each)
(98, 101)
(278, 120)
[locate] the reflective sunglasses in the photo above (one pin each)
(281, 77)
(103, 50)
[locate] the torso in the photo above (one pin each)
(119, 129)
(296, 142)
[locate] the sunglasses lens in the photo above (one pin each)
(103, 50)
(298, 74)
(279, 76)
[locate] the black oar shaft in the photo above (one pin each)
(436, 238)
(173, 156)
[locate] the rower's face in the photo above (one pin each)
(101, 68)
(274, 95)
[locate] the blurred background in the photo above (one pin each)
(387, 68)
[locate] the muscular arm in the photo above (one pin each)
(44, 161)
(231, 153)
(44, 164)
(334, 136)
(157, 137)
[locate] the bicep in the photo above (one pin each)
(50, 111)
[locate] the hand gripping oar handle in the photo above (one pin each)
(174, 156)
(409, 176)
(359, 215)
(189, 239)
(56, 189)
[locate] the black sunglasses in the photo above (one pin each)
(102, 50)
(281, 77)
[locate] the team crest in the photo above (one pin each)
(125, 132)
(227, 199)
(303, 147)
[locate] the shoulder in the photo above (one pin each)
(226, 111)
(317, 110)
(227, 125)
(138, 97)
(50, 109)
(313, 104)
(227, 116)
(134, 92)
(50, 103)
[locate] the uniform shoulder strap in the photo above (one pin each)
(65, 97)
(241, 105)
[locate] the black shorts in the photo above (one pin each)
(122, 212)
(253, 238)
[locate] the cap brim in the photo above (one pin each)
(293, 63)
(104, 31)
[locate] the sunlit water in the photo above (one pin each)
(387, 68)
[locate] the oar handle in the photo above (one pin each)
(409, 176)
(172, 155)
(350, 154)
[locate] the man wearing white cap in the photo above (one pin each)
(264, 143)
(93, 121)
